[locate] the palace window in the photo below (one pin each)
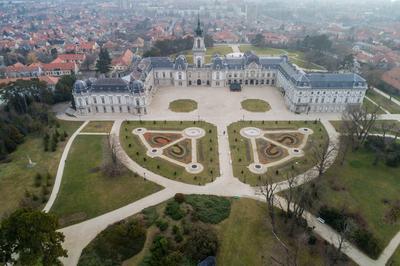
(198, 43)
(102, 100)
(179, 75)
(95, 99)
(163, 74)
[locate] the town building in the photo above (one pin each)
(303, 92)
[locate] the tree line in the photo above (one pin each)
(26, 109)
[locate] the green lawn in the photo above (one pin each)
(86, 192)
(98, 127)
(183, 105)
(295, 57)
(16, 177)
(221, 50)
(246, 238)
(207, 151)
(370, 107)
(255, 105)
(387, 104)
(295, 166)
(364, 189)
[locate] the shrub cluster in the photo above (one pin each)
(209, 209)
(174, 210)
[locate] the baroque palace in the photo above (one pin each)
(303, 92)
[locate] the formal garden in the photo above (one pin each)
(92, 184)
(27, 176)
(189, 229)
(185, 151)
(183, 106)
(255, 105)
(262, 150)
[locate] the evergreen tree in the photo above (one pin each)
(103, 64)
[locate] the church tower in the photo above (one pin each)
(199, 49)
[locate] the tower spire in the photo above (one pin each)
(198, 31)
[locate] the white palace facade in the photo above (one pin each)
(303, 92)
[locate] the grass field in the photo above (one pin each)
(370, 107)
(255, 105)
(221, 50)
(295, 57)
(295, 166)
(183, 105)
(86, 192)
(98, 127)
(16, 177)
(207, 148)
(392, 107)
(363, 189)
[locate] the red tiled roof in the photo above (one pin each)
(62, 66)
(47, 79)
(78, 57)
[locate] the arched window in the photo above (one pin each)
(198, 43)
(180, 75)
(198, 62)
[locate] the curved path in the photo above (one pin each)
(79, 235)
(60, 170)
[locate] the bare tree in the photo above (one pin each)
(342, 236)
(323, 157)
(358, 123)
(268, 190)
(111, 165)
